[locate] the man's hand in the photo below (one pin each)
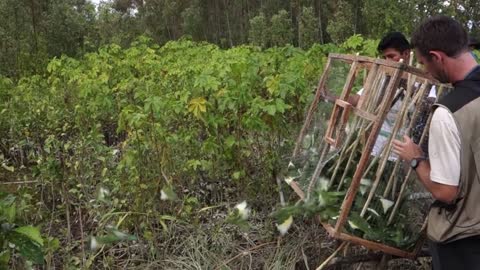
(407, 150)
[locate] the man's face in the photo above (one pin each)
(433, 66)
(395, 55)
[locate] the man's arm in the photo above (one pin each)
(441, 192)
(408, 150)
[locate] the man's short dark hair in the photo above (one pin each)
(440, 33)
(394, 40)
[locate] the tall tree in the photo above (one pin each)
(281, 29)
(258, 33)
(119, 23)
(385, 16)
(68, 23)
(307, 28)
(340, 26)
(192, 21)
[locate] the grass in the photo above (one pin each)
(216, 245)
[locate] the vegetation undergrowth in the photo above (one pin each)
(133, 157)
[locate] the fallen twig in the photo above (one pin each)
(327, 261)
(18, 182)
(244, 253)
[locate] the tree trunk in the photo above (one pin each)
(296, 22)
(320, 25)
(356, 11)
(17, 43)
(34, 26)
(229, 29)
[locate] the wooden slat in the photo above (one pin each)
(330, 141)
(420, 73)
(351, 192)
(359, 58)
(313, 107)
(332, 126)
(342, 103)
(365, 60)
(364, 114)
(372, 74)
(347, 88)
(294, 185)
(368, 244)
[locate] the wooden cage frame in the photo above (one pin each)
(341, 111)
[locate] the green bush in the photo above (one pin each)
(105, 135)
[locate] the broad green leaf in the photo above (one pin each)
(271, 109)
(32, 233)
(358, 223)
(236, 175)
(10, 213)
(53, 244)
(7, 199)
(8, 168)
(4, 258)
(272, 83)
(230, 141)
(28, 248)
(194, 164)
(281, 106)
(197, 106)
